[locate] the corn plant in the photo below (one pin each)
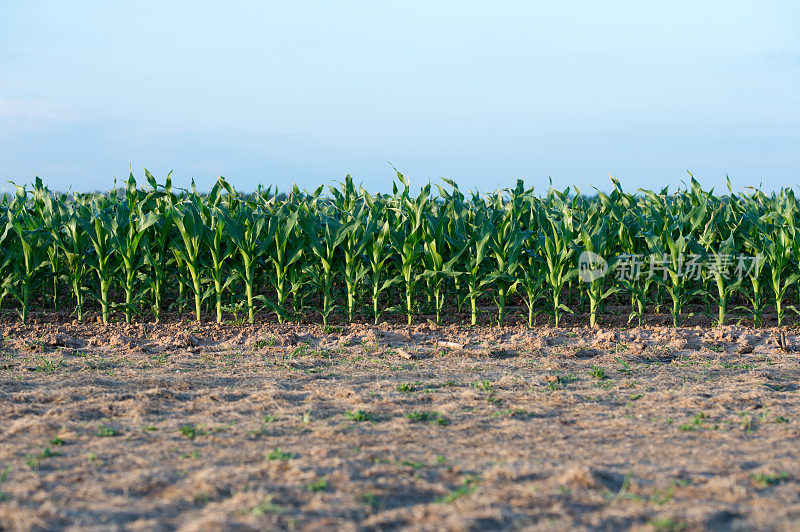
(596, 241)
(40, 195)
(246, 226)
(624, 215)
(33, 242)
(157, 253)
(438, 271)
(62, 219)
(407, 239)
(379, 254)
(532, 280)
(505, 247)
(99, 228)
(128, 227)
(353, 246)
(6, 259)
(671, 242)
(555, 246)
(718, 242)
(324, 234)
(774, 240)
(454, 202)
(193, 237)
(285, 252)
(476, 245)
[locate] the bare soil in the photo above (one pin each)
(178, 426)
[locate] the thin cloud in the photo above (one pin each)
(34, 111)
(783, 57)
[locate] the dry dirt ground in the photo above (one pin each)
(176, 426)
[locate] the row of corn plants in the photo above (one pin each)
(138, 252)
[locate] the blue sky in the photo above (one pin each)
(480, 92)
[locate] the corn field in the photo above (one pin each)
(138, 253)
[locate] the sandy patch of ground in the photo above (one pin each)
(151, 427)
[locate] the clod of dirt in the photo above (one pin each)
(587, 352)
(394, 338)
(120, 340)
(635, 335)
(60, 340)
(537, 343)
(369, 337)
(678, 342)
(609, 479)
(292, 339)
(500, 353)
(605, 337)
(584, 476)
(744, 346)
(451, 345)
(579, 476)
(402, 353)
(543, 341)
(239, 339)
(347, 340)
